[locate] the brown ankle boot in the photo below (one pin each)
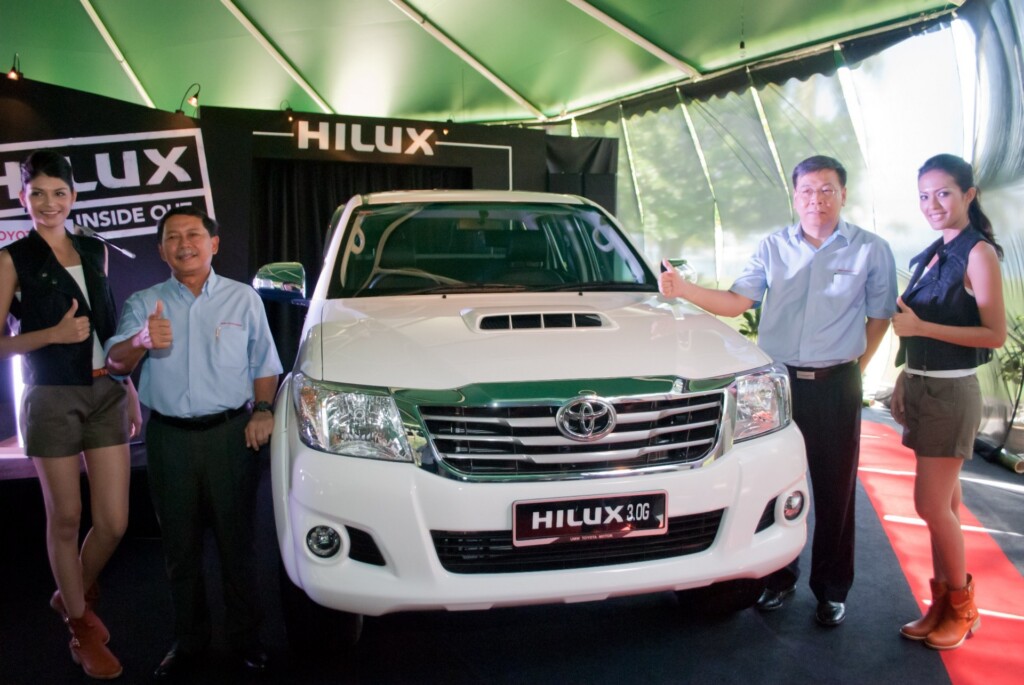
(960, 620)
(919, 629)
(91, 595)
(88, 651)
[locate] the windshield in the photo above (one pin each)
(484, 247)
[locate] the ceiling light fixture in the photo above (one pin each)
(191, 98)
(15, 73)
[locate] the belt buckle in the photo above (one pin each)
(805, 375)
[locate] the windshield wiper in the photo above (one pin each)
(602, 286)
(464, 287)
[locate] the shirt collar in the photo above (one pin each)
(941, 248)
(842, 233)
(209, 286)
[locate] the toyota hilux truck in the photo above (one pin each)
(493, 406)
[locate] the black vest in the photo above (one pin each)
(939, 296)
(46, 293)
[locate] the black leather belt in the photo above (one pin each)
(810, 373)
(198, 423)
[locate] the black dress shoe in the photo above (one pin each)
(830, 613)
(175, 664)
(770, 600)
(254, 658)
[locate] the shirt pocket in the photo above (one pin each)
(231, 345)
(846, 284)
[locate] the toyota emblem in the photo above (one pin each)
(586, 419)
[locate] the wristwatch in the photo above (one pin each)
(263, 406)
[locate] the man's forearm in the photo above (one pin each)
(124, 356)
(264, 389)
(718, 302)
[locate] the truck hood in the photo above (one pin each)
(438, 342)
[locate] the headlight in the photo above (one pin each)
(340, 421)
(762, 403)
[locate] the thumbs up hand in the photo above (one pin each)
(670, 281)
(72, 329)
(156, 334)
(905, 323)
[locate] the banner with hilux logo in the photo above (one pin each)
(125, 182)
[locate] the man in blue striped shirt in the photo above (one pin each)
(827, 290)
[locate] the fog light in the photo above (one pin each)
(323, 541)
(793, 506)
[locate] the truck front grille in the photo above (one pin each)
(482, 442)
(493, 551)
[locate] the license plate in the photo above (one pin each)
(541, 522)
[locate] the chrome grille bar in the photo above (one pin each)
(524, 440)
(559, 440)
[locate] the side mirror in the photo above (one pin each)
(281, 281)
(684, 269)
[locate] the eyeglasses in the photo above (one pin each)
(807, 193)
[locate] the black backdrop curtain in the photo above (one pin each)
(293, 202)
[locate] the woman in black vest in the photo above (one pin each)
(950, 318)
(56, 284)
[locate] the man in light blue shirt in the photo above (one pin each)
(827, 290)
(207, 358)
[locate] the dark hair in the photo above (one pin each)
(209, 224)
(963, 175)
(47, 163)
(819, 163)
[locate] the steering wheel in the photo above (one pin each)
(411, 273)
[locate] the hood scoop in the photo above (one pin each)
(538, 320)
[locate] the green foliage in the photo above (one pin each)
(1011, 355)
(751, 322)
(1010, 358)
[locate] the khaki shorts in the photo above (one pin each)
(943, 415)
(63, 420)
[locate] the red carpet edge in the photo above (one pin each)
(994, 655)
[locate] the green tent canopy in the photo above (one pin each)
(466, 60)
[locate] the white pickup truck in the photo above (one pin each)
(493, 406)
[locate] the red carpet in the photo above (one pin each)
(995, 655)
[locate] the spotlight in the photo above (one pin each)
(287, 107)
(191, 98)
(15, 73)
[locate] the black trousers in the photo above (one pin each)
(199, 480)
(827, 411)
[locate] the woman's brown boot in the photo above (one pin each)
(91, 595)
(88, 651)
(919, 629)
(960, 620)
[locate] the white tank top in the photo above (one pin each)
(98, 359)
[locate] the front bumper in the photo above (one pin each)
(399, 504)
